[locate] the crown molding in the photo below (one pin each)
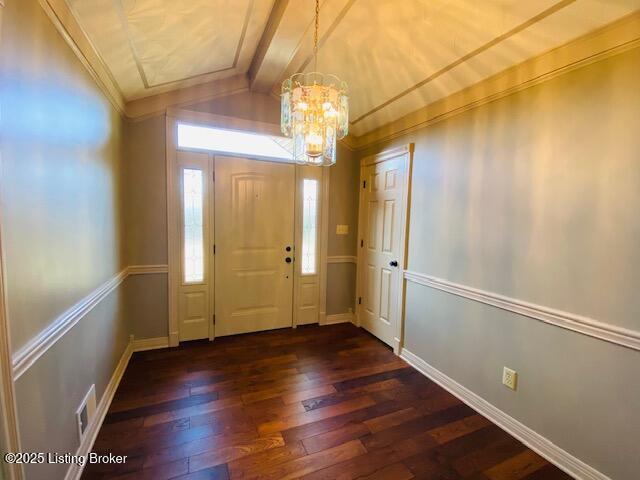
(65, 21)
(142, 108)
(613, 39)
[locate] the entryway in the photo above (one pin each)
(246, 237)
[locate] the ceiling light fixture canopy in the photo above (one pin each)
(314, 112)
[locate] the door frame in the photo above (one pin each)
(9, 430)
(172, 118)
(405, 151)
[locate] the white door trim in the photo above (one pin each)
(8, 411)
(173, 235)
(324, 242)
(172, 117)
(407, 152)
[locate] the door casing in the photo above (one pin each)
(406, 153)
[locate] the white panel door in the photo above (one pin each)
(194, 297)
(381, 237)
(254, 217)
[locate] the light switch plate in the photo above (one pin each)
(342, 229)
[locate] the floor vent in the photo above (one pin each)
(86, 411)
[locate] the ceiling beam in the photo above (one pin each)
(332, 13)
(287, 25)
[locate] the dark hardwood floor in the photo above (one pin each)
(315, 403)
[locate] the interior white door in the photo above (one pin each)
(194, 298)
(254, 219)
(381, 237)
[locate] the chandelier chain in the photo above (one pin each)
(315, 110)
(315, 37)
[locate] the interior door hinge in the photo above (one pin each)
(359, 300)
(214, 248)
(364, 184)
(213, 175)
(214, 318)
(361, 243)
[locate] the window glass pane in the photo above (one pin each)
(309, 225)
(192, 216)
(234, 142)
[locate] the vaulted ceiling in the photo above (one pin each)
(397, 56)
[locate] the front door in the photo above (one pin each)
(254, 225)
(381, 237)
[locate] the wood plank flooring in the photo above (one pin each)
(314, 403)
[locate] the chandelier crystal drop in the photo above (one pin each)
(314, 112)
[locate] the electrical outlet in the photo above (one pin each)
(510, 378)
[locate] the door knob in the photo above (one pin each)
(288, 259)
(393, 263)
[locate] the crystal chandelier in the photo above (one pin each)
(314, 112)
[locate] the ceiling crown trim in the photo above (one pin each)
(64, 20)
(533, 20)
(608, 41)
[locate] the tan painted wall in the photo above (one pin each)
(61, 224)
(246, 105)
(145, 197)
(145, 192)
(343, 210)
(146, 225)
(536, 196)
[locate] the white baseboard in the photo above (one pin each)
(75, 470)
(536, 442)
(150, 344)
(339, 318)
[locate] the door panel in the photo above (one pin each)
(254, 202)
(194, 309)
(382, 231)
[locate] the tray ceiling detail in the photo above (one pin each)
(396, 56)
(151, 46)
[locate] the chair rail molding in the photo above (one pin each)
(570, 321)
(27, 355)
(342, 259)
(37, 346)
(148, 269)
(541, 445)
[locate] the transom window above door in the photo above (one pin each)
(235, 142)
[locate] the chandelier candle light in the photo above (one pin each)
(314, 112)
